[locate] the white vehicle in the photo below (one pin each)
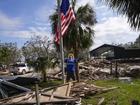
(20, 68)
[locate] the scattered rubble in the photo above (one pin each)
(133, 71)
(69, 93)
(59, 95)
(8, 89)
(95, 70)
(100, 69)
(83, 89)
(101, 63)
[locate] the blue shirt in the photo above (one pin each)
(70, 65)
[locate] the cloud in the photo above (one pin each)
(41, 31)
(112, 25)
(9, 23)
(44, 12)
(109, 29)
(114, 30)
(14, 27)
(26, 34)
(42, 19)
(18, 34)
(83, 2)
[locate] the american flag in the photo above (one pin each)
(67, 16)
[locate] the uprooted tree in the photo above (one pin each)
(39, 54)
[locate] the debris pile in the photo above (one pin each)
(89, 70)
(100, 69)
(133, 71)
(59, 95)
(69, 93)
(95, 70)
(83, 89)
(101, 63)
(94, 75)
(56, 75)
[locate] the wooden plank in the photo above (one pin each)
(68, 89)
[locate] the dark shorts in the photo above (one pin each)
(70, 75)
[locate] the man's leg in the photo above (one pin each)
(68, 77)
(73, 76)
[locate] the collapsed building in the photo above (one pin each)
(112, 52)
(116, 55)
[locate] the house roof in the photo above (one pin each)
(119, 52)
(105, 47)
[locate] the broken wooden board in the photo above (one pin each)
(101, 101)
(59, 94)
(83, 89)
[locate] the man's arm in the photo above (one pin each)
(76, 60)
(65, 60)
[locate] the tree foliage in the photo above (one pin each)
(9, 53)
(80, 33)
(135, 44)
(39, 54)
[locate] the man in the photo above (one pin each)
(70, 67)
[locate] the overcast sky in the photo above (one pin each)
(20, 19)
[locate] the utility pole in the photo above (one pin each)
(61, 41)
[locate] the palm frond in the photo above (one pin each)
(53, 20)
(86, 15)
(76, 37)
(130, 8)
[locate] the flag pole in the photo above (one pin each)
(61, 41)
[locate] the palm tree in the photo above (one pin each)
(130, 8)
(39, 54)
(41, 64)
(80, 33)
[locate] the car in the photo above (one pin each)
(20, 68)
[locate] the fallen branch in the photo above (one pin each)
(101, 101)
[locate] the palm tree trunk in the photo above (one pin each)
(44, 75)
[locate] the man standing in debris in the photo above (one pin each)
(70, 67)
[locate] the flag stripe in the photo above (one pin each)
(67, 16)
(64, 21)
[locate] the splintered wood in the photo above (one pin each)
(53, 95)
(95, 70)
(83, 89)
(68, 93)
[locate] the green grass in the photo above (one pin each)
(46, 84)
(50, 83)
(121, 96)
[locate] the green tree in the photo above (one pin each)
(130, 8)
(38, 54)
(80, 33)
(9, 53)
